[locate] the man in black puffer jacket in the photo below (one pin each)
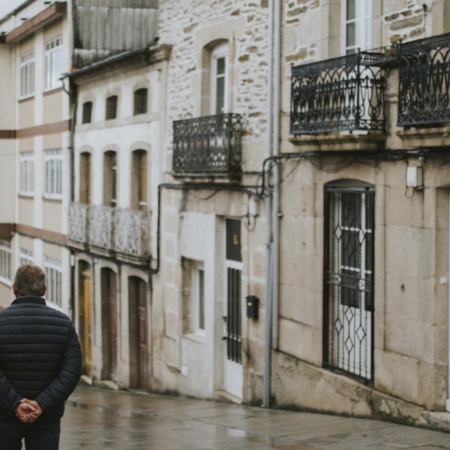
(40, 365)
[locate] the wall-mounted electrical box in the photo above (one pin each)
(252, 307)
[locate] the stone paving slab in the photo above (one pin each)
(117, 420)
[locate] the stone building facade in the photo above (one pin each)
(260, 207)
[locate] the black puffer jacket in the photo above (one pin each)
(40, 357)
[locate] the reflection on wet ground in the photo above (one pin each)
(101, 419)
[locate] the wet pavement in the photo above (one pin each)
(103, 419)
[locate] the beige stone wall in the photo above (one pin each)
(191, 27)
(411, 237)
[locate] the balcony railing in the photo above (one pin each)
(118, 230)
(424, 97)
(346, 93)
(208, 145)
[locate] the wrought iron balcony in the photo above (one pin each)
(118, 230)
(207, 145)
(346, 93)
(424, 97)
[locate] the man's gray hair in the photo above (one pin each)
(30, 280)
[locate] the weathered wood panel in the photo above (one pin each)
(104, 28)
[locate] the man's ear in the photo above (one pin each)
(44, 290)
(16, 292)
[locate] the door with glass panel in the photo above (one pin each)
(233, 373)
(349, 279)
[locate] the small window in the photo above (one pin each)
(198, 299)
(53, 63)
(194, 310)
(53, 275)
(27, 173)
(53, 173)
(87, 112)
(27, 75)
(140, 101)
(111, 107)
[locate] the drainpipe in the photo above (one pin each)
(272, 201)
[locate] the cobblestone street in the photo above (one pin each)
(101, 419)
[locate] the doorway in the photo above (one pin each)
(85, 314)
(138, 332)
(109, 324)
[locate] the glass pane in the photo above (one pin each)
(201, 300)
(220, 96)
(220, 66)
(351, 35)
(351, 9)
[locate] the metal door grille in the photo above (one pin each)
(348, 280)
(234, 335)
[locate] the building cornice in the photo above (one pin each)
(50, 14)
(144, 56)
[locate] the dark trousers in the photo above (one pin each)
(38, 436)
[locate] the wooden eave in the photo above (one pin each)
(141, 57)
(50, 14)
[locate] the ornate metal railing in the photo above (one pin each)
(208, 145)
(424, 97)
(114, 229)
(346, 93)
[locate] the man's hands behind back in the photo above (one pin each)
(28, 410)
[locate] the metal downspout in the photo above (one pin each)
(276, 212)
(269, 215)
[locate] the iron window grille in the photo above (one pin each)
(349, 280)
(345, 93)
(208, 145)
(424, 82)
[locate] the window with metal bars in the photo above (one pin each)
(349, 279)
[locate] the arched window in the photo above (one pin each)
(140, 101)
(111, 107)
(139, 185)
(87, 112)
(219, 79)
(85, 178)
(110, 179)
(356, 25)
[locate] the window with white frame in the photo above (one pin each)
(219, 79)
(356, 25)
(53, 63)
(53, 173)
(198, 299)
(53, 275)
(26, 173)
(194, 311)
(26, 256)
(27, 74)
(5, 262)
